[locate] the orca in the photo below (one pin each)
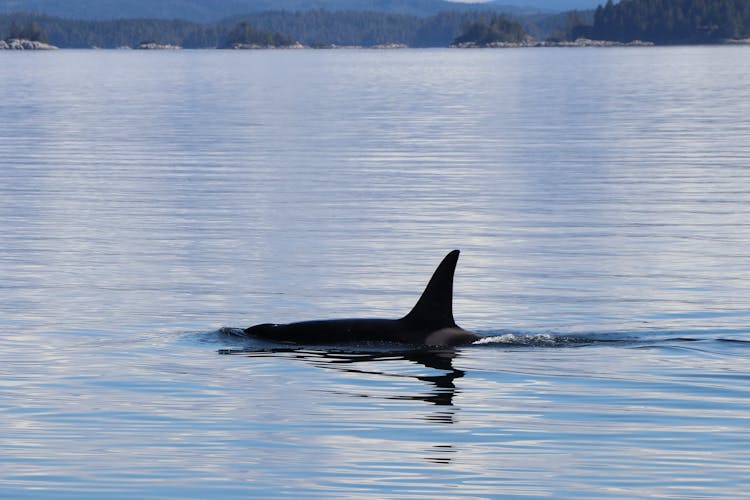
(429, 323)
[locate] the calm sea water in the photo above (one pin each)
(600, 197)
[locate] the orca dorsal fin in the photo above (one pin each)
(435, 307)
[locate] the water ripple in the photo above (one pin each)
(599, 198)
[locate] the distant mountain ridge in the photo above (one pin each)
(551, 5)
(214, 10)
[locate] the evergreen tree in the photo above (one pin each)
(33, 32)
(14, 30)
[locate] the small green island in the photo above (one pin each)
(498, 31)
(245, 36)
(627, 22)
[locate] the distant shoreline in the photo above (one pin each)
(22, 44)
(614, 24)
(581, 42)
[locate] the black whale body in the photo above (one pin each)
(430, 322)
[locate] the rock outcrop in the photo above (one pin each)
(23, 44)
(390, 46)
(252, 46)
(157, 46)
(581, 42)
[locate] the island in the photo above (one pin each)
(498, 31)
(245, 36)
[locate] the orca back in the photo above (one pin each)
(430, 322)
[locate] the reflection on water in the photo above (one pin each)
(499, 418)
(358, 362)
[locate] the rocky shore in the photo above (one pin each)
(255, 46)
(23, 44)
(581, 42)
(390, 46)
(157, 46)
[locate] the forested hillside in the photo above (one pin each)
(364, 28)
(111, 34)
(311, 28)
(672, 21)
(209, 11)
(659, 21)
